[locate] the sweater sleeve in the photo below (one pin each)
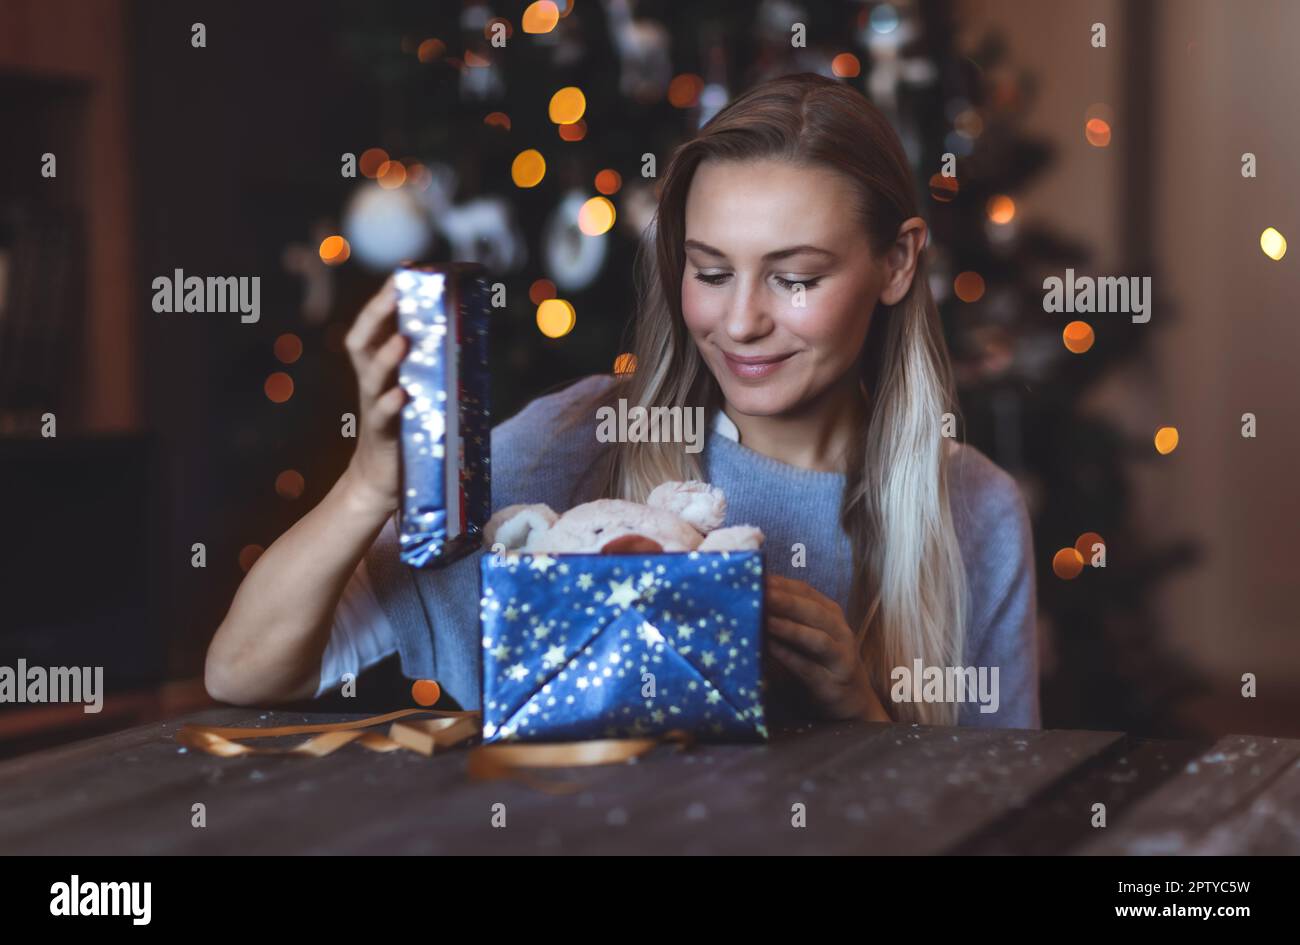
(1003, 636)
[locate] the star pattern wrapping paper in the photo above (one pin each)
(584, 646)
(445, 424)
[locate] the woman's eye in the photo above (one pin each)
(791, 283)
(711, 278)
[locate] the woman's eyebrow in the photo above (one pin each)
(775, 254)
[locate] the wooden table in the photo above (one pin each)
(866, 788)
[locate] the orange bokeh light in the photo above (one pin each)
(1002, 209)
(278, 387)
(541, 17)
(1097, 132)
(1067, 564)
(289, 484)
(371, 160)
(288, 348)
(1078, 337)
(846, 66)
(540, 291)
(575, 132)
(609, 181)
(684, 90)
(334, 250)
(969, 286)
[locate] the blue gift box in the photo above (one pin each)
(582, 646)
(445, 424)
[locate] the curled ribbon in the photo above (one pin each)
(424, 736)
(428, 736)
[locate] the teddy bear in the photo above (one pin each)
(676, 516)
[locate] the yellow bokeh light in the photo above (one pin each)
(1078, 337)
(541, 17)
(1272, 243)
(555, 318)
(1166, 440)
(1002, 209)
(596, 216)
(567, 105)
(528, 169)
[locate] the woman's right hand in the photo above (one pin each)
(376, 349)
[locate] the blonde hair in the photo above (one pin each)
(909, 597)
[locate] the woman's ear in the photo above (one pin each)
(901, 260)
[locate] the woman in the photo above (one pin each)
(785, 294)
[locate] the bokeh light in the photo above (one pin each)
(430, 50)
(1272, 243)
(497, 120)
(846, 66)
(528, 169)
(289, 484)
(1067, 564)
(392, 174)
(1097, 132)
(334, 250)
(555, 318)
(288, 348)
(1166, 440)
(609, 181)
(490, 27)
(540, 291)
(625, 363)
(1078, 337)
(540, 17)
(248, 556)
(596, 216)
(278, 387)
(1083, 544)
(425, 692)
(371, 160)
(567, 105)
(943, 189)
(1001, 209)
(574, 132)
(968, 286)
(684, 90)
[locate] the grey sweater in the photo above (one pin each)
(434, 612)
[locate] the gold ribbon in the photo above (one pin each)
(424, 736)
(428, 736)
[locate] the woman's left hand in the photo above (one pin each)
(807, 633)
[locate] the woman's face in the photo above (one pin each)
(753, 230)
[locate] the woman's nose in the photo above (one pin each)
(747, 317)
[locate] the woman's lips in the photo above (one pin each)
(753, 367)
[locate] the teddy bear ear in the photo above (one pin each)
(696, 502)
(513, 525)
